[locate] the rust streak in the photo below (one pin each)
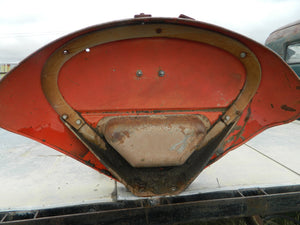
(287, 108)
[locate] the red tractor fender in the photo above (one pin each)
(116, 95)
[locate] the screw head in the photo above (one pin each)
(65, 116)
(243, 54)
(161, 73)
(139, 73)
(78, 122)
(66, 52)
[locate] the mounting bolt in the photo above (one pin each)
(161, 73)
(227, 118)
(139, 73)
(66, 52)
(78, 122)
(173, 188)
(142, 15)
(65, 116)
(243, 54)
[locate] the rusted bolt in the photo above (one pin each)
(139, 73)
(243, 54)
(66, 52)
(161, 73)
(78, 122)
(65, 116)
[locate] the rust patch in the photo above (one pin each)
(119, 136)
(287, 108)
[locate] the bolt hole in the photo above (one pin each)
(158, 30)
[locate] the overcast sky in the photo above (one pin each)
(27, 25)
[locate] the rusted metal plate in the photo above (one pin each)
(144, 67)
(156, 140)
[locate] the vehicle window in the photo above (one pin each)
(293, 53)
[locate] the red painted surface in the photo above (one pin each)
(104, 80)
(109, 72)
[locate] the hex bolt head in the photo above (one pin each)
(161, 73)
(78, 122)
(66, 52)
(65, 116)
(243, 54)
(139, 73)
